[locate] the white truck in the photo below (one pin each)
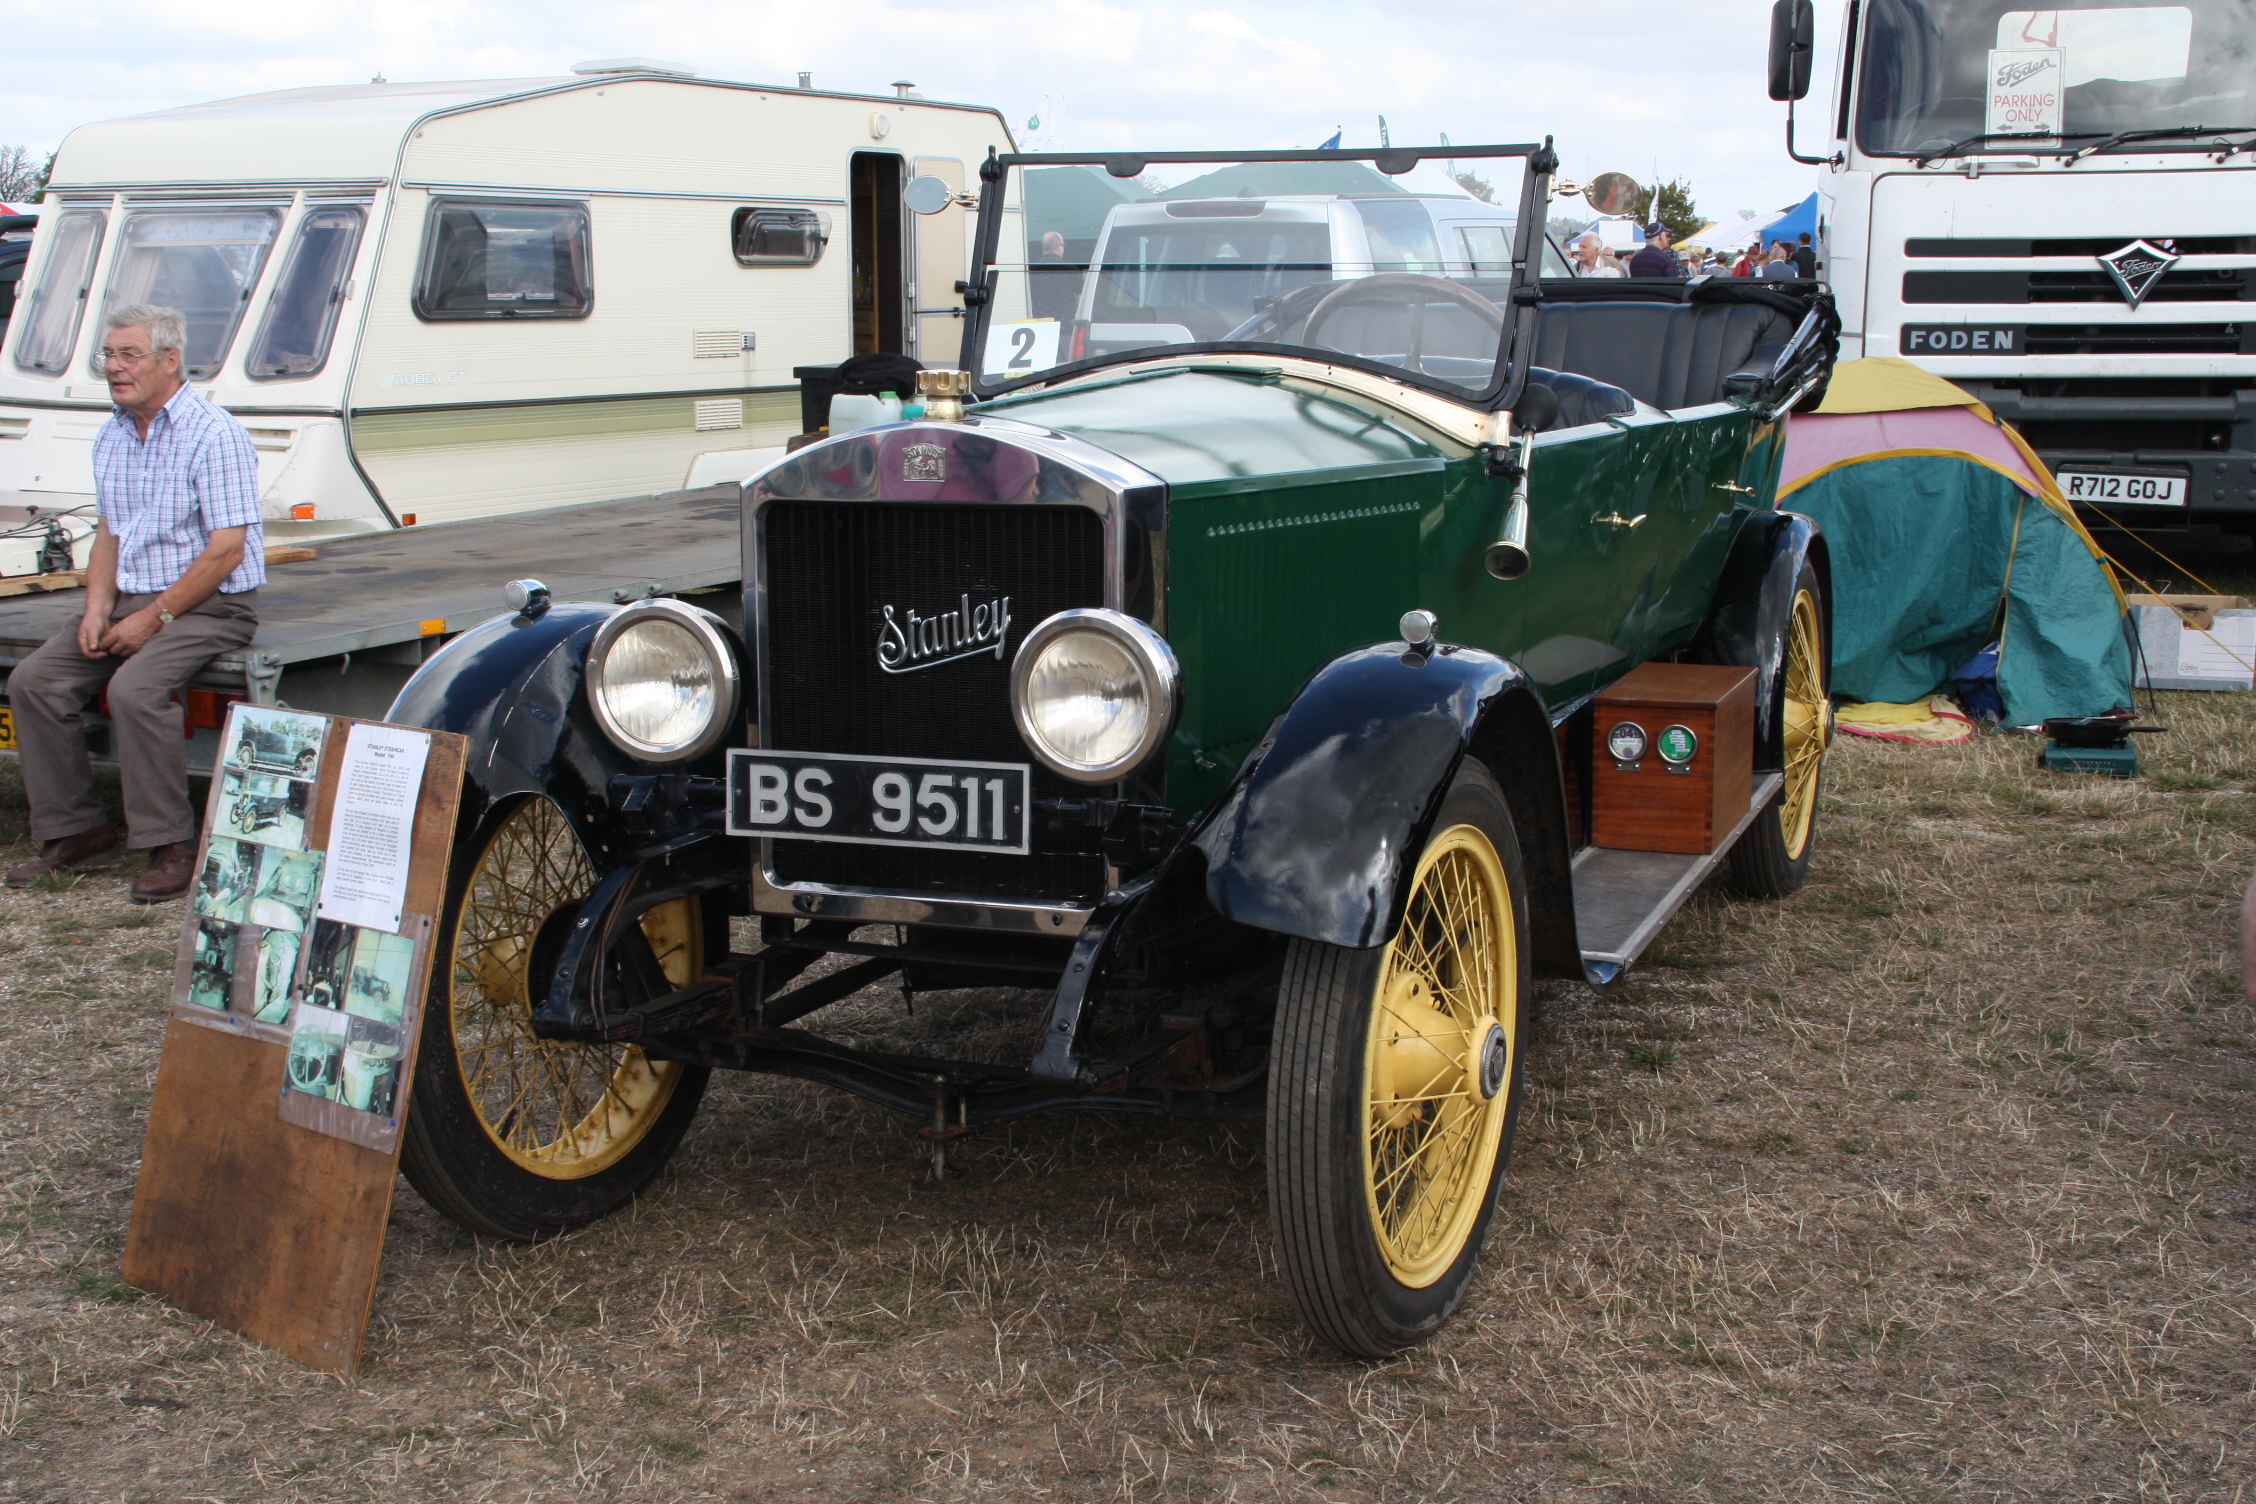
(2055, 209)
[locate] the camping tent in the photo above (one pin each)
(1947, 532)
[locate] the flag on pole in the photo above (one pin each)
(1331, 145)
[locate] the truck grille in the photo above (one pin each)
(831, 568)
(2135, 339)
(2219, 285)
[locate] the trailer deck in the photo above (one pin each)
(341, 632)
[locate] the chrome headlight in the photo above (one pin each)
(661, 676)
(1094, 693)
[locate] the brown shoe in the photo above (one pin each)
(171, 869)
(93, 850)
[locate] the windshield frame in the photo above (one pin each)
(1514, 346)
(2073, 143)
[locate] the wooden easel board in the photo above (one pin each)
(270, 1227)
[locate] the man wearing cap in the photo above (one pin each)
(172, 582)
(1655, 260)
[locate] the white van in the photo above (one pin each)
(431, 302)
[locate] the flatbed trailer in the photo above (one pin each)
(342, 632)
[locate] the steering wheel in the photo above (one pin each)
(1398, 287)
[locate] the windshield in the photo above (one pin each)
(1936, 72)
(203, 262)
(1408, 272)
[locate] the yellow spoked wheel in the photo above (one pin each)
(557, 1109)
(1772, 859)
(1394, 1086)
(521, 1136)
(1440, 1048)
(1806, 723)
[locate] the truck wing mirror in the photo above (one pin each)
(929, 195)
(1793, 43)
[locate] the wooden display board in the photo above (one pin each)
(274, 1131)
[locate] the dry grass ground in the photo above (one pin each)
(1933, 1182)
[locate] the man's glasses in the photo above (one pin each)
(127, 357)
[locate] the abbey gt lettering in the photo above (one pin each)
(918, 641)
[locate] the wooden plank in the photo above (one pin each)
(40, 584)
(289, 553)
(271, 1229)
(242, 1219)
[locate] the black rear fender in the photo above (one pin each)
(1318, 835)
(1754, 602)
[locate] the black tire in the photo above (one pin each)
(1772, 859)
(451, 1153)
(1324, 1195)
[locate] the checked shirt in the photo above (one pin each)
(164, 497)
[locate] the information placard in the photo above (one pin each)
(273, 1142)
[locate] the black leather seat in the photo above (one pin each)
(1668, 354)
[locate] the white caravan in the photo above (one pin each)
(2056, 209)
(432, 302)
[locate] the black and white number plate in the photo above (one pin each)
(879, 801)
(2114, 488)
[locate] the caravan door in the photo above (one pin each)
(941, 260)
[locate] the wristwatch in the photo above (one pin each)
(164, 617)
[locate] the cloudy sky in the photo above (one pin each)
(1667, 90)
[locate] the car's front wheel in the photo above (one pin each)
(1394, 1087)
(514, 1136)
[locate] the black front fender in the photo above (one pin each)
(1316, 837)
(513, 687)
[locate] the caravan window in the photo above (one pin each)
(51, 323)
(505, 259)
(302, 316)
(778, 237)
(204, 262)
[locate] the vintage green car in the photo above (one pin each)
(1234, 685)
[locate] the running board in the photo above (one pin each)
(1622, 898)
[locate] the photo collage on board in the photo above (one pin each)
(350, 1033)
(254, 899)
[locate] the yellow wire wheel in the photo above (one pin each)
(516, 1135)
(1394, 1085)
(558, 1109)
(1771, 860)
(1439, 1051)
(1806, 712)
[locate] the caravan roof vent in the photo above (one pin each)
(633, 65)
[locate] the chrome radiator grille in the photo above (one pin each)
(831, 569)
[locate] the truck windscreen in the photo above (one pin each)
(1939, 72)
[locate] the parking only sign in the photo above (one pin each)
(2024, 91)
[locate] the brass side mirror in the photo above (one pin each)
(1613, 194)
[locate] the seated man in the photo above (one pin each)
(173, 581)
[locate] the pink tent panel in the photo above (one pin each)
(1816, 441)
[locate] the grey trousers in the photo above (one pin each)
(50, 689)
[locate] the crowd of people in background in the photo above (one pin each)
(1588, 256)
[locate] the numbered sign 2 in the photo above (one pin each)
(1021, 349)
